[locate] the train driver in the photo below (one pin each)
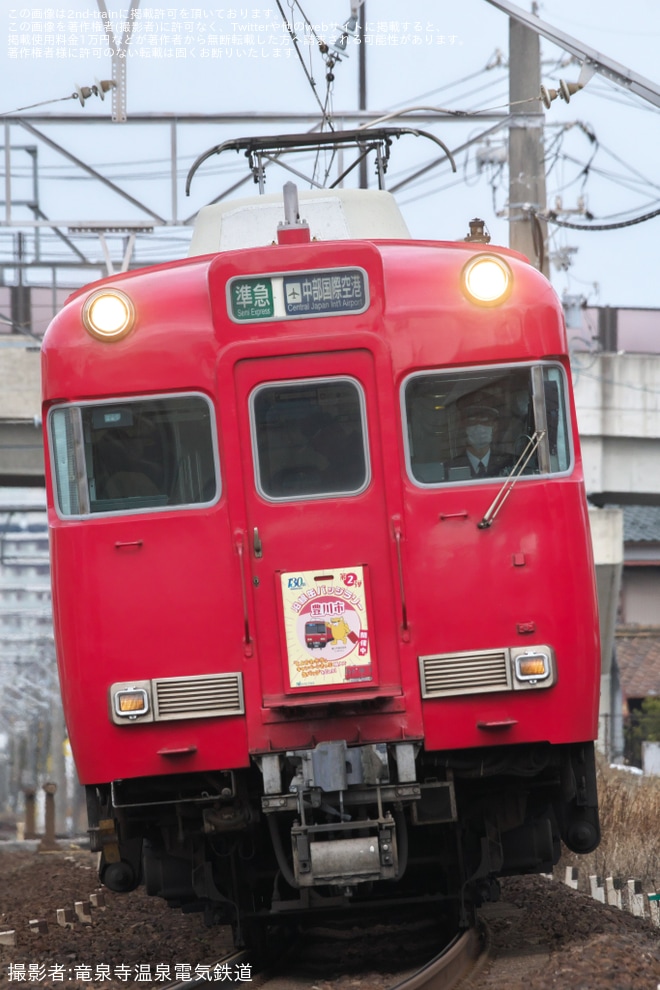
(479, 423)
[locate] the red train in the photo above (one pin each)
(324, 596)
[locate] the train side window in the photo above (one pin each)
(309, 439)
(133, 455)
(555, 411)
(455, 422)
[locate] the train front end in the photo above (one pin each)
(310, 661)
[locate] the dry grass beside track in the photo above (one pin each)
(630, 825)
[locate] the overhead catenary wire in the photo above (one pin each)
(451, 111)
(442, 110)
(82, 93)
(551, 218)
(586, 168)
(310, 79)
(622, 181)
(310, 26)
(643, 178)
(607, 90)
(496, 61)
(441, 89)
(470, 174)
(43, 103)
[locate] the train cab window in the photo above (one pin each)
(133, 455)
(309, 439)
(480, 425)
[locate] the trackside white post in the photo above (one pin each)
(597, 889)
(613, 893)
(636, 898)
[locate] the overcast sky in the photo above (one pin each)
(603, 148)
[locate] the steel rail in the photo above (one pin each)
(452, 964)
(234, 958)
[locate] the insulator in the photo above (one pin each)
(83, 93)
(566, 90)
(103, 85)
(547, 96)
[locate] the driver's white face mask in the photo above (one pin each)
(479, 435)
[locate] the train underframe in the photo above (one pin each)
(336, 830)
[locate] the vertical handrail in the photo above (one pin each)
(396, 526)
(247, 637)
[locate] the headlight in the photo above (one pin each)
(108, 314)
(487, 280)
(130, 702)
(533, 666)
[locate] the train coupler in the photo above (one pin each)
(366, 851)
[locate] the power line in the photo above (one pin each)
(310, 80)
(622, 181)
(642, 177)
(549, 217)
(31, 106)
(450, 85)
(82, 93)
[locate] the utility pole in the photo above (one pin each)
(527, 194)
(362, 82)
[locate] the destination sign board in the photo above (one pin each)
(298, 295)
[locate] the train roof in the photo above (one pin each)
(332, 214)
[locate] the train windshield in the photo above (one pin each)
(133, 455)
(475, 425)
(309, 439)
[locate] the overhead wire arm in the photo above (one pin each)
(620, 74)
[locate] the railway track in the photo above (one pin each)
(539, 933)
(452, 964)
(224, 969)
(121, 939)
(457, 959)
(345, 959)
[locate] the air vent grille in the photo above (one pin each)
(450, 674)
(204, 696)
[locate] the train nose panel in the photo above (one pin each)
(320, 600)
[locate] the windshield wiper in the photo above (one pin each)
(516, 471)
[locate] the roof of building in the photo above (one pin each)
(641, 523)
(638, 660)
